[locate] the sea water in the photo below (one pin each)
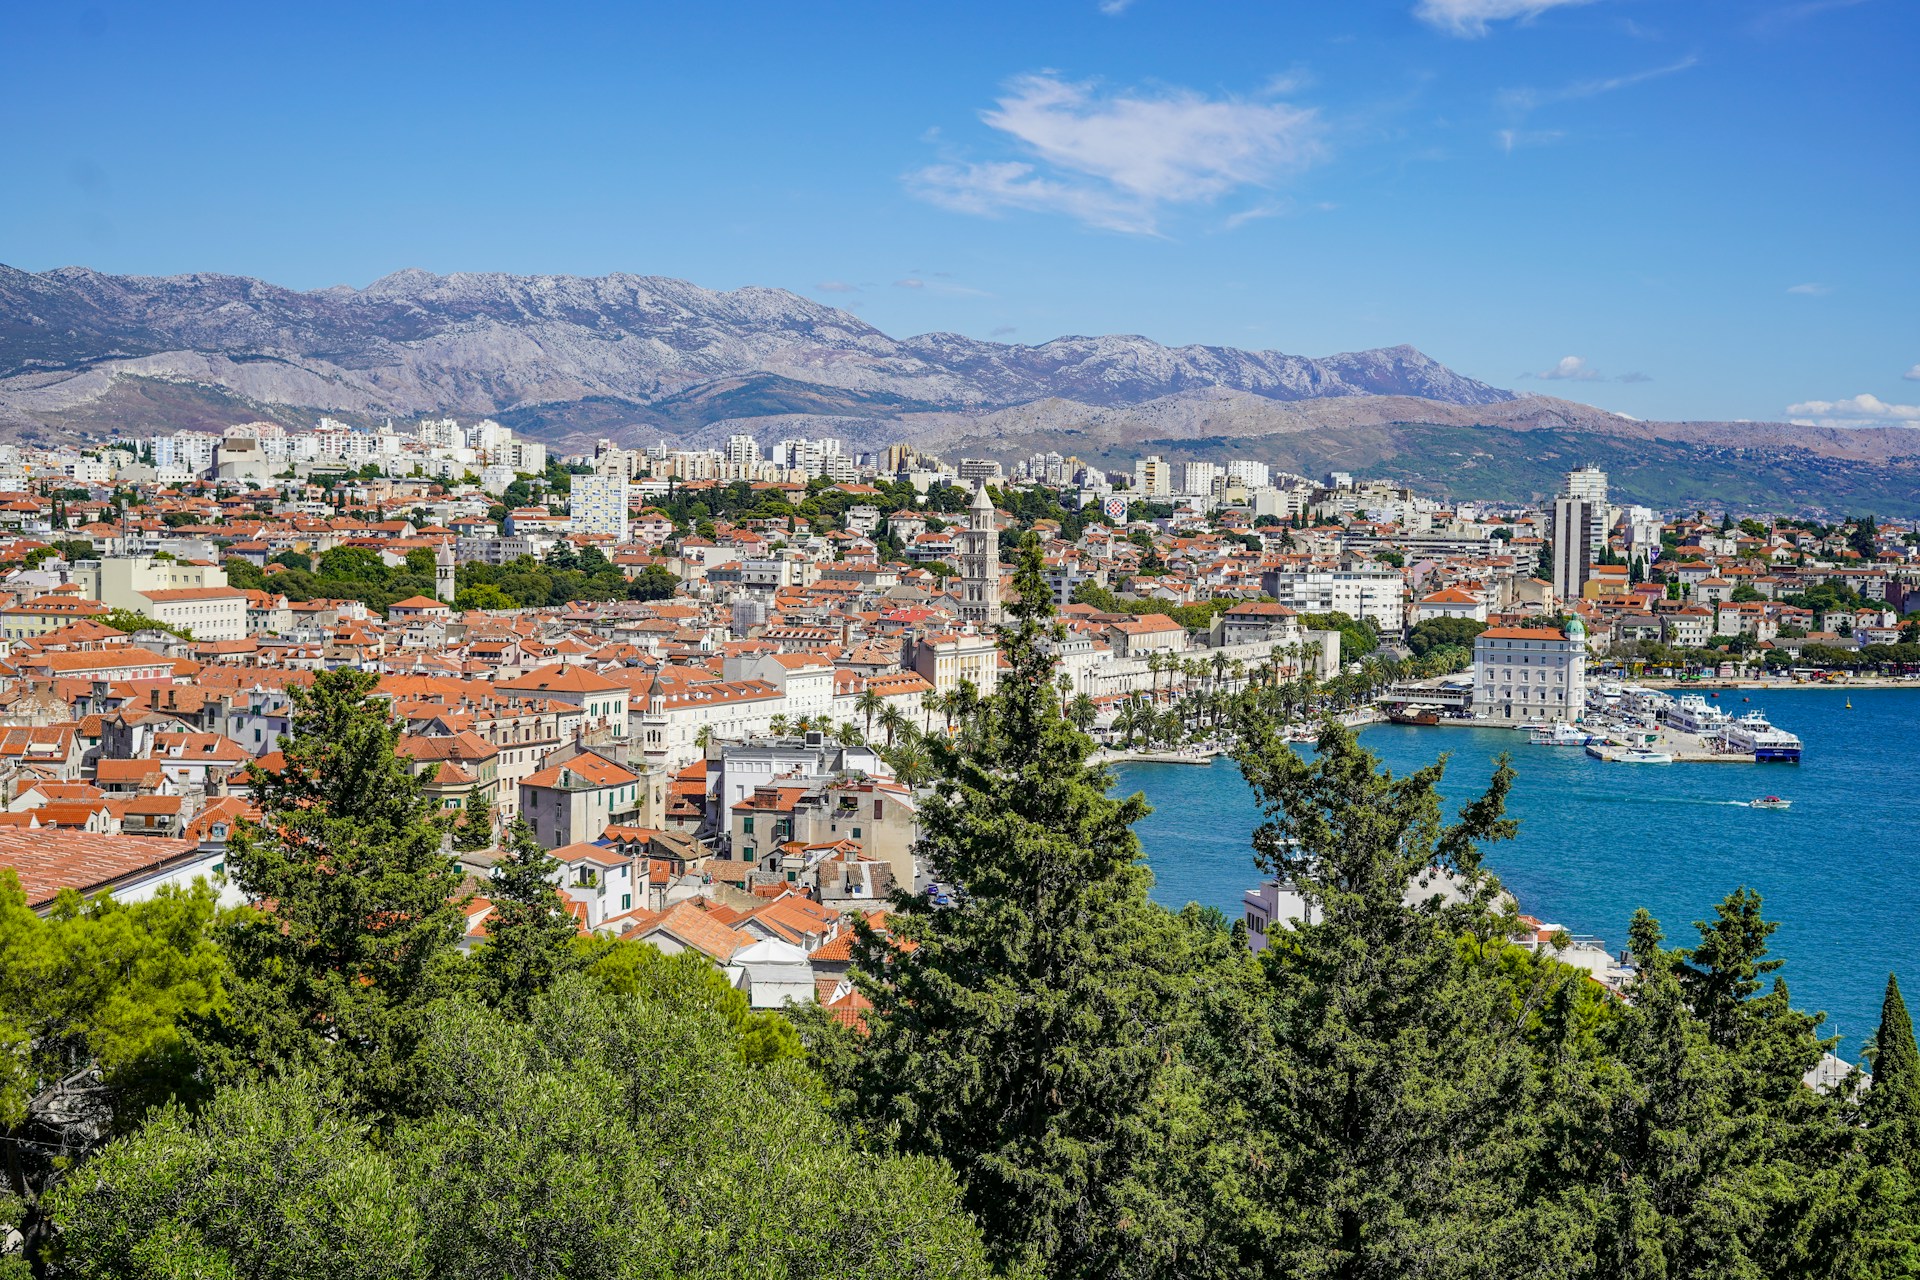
(1840, 870)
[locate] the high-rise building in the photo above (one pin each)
(1588, 483)
(1250, 474)
(742, 450)
(1196, 478)
(598, 504)
(978, 545)
(1575, 521)
(1153, 477)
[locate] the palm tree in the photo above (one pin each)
(894, 721)
(1082, 713)
(778, 726)
(868, 704)
(911, 762)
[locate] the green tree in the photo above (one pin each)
(363, 906)
(1022, 1035)
(1441, 633)
(131, 620)
(1388, 1114)
(530, 933)
(1892, 1106)
(653, 583)
(357, 563)
(91, 999)
(602, 1136)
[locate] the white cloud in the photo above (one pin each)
(1633, 377)
(1114, 8)
(910, 283)
(1811, 290)
(836, 286)
(1570, 368)
(1859, 411)
(1119, 161)
(1525, 100)
(1472, 18)
(1913, 374)
(1512, 138)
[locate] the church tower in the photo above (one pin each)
(443, 583)
(979, 547)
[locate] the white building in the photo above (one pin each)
(1153, 477)
(1250, 474)
(1379, 594)
(1531, 673)
(598, 504)
(195, 596)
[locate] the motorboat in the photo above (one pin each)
(1560, 734)
(1642, 756)
(1769, 802)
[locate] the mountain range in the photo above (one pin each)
(637, 358)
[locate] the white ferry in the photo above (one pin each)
(1694, 714)
(1560, 734)
(1752, 732)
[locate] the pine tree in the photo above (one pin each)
(530, 934)
(474, 831)
(1019, 1033)
(1892, 1106)
(360, 908)
(1391, 1107)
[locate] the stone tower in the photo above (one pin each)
(443, 584)
(979, 548)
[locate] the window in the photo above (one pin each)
(856, 833)
(747, 825)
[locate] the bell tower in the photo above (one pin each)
(443, 576)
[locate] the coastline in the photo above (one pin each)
(1764, 686)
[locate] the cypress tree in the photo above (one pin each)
(1018, 1034)
(360, 907)
(1892, 1106)
(530, 934)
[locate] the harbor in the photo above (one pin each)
(1836, 864)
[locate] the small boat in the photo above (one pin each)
(1641, 756)
(1769, 802)
(1421, 713)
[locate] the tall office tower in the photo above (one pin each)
(1575, 522)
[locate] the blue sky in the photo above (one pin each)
(1671, 208)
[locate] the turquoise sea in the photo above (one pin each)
(1840, 870)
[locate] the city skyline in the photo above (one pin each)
(1644, 206)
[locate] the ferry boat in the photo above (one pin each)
(1769, 802)
(1694, 714)
(1752, 733)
